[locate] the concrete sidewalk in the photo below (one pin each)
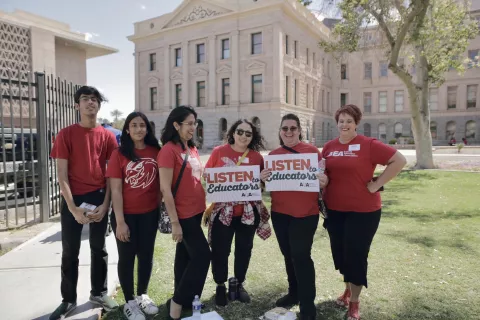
(30, 277)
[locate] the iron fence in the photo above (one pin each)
(33, 109)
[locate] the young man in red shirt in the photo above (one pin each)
(82, 151)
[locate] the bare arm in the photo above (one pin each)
(122, 231)
(62, 172)
(394, 166)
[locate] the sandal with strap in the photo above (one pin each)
(353, 312)
(344, 299)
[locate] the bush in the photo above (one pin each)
(393, 141)
(460, 146)
(411, 141)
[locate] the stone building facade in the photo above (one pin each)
(31, 43)
(259, 60)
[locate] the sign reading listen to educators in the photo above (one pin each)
(292, 172)
(228, 184)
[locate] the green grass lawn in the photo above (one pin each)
(423, 264)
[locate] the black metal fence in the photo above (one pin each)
(33, 109)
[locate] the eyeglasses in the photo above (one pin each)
(86, 99)
(248, 134)
(190, 124)
(293, 129)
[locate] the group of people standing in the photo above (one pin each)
(141, 175)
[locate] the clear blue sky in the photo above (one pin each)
(110, 22)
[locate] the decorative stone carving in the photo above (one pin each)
(256, 65)
(198, 13)
(176, 75)
(200, 72)
(224, 69)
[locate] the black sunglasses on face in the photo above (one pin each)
(293, 129)
(248, 134)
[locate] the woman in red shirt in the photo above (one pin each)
(192, 256)
(133, 174)
(241, 219)
(295, 218)
(353, 200)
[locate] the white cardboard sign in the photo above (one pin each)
(239, 183)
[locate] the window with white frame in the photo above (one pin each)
(472, 96)
(153, 98)
(398, 130)
(178, 57)
(367, 102)
(201, 53)
(225, 49)
(367, 73)
(225, 91)
(433, 98)
(257, 88)
(201, 101)
(256, 43)
(452, 97)
(399, 100)
(382, 101)
(383, 68)
(382, 131)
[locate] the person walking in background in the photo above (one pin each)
(192, 256)
(353, 201)
(134, 182)
(117, 133)
(295, 216)
(241, 219)
(82, 151)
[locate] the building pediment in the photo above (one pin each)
(200, 72)
(153, 79)
(195, 10)
(176, 75)
(224, 69)
(256, 65)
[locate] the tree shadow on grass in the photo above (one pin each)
(427, 216)
(453, 242)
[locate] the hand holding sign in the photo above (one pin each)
(227, 184)
(321, 175)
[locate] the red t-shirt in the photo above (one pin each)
(349, 168)
(296, 203)
(190, 197)
(140, 188)
(225, 156)
(87, 151)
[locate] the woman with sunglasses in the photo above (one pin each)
(241, 219)
(295, 216)
(192, 256)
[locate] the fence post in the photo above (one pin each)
(42, 146)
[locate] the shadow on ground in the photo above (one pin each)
(86, 311)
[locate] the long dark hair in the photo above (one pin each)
(127, 147)
(257, 140)
(290, 116)
(178, 115)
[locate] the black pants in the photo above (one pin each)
(295, 238)
(71, 240)
(143, 231)
(222, 237)
(351, 234)
(192, 259)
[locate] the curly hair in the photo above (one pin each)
(350, 109)
(257, 139)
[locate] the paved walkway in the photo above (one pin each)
(30, 277)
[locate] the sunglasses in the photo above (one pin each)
(248, 134)
(293, 129)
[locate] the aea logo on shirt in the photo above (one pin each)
(342, 154)
(142, 173)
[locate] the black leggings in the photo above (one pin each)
(351, 234)
(143, 231)
(192, 259)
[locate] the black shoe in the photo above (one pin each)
(287, 301)
(242, 294)
(63, 310)
(221, 296)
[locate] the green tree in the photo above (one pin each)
(116, 114)
(432, 34)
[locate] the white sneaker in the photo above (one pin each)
(132, 311)
(147, 305)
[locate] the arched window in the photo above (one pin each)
(222, 128)
(367, 130)
(470, 129)
(382, 132)
(433, 130)
(398, 130)
(451, 128)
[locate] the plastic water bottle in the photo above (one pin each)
(196, 308)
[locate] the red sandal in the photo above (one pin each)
(344, 299)
(353, 312)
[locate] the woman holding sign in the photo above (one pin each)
(240, 218)
(353, 200)
(133, 174)
(295, 216)
(192, 256)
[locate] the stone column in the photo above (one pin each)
(278, 76)
(235, 81)
(166, 78)
(212, 79)
(186, 78)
